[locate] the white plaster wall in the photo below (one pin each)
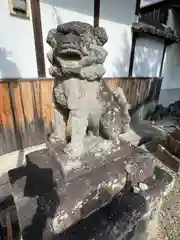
(147, 61)
(54, 12)
(147, 57)
(117, 17)
(17, 51)
(171, 70)
(170, 91)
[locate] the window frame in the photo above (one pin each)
(19, 14)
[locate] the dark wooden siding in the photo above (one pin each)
(26, 113)
(26, 110)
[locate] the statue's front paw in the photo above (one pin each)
(74, 150)
(53, 139)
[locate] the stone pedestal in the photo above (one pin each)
(49, 203)
(131, 216)
(49, 207)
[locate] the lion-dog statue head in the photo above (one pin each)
(77, 49)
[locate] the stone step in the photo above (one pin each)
(167, 158)
(173, 145)
(166, 149)
(176, 134)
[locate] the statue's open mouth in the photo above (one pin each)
(70, 54)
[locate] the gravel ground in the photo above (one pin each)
(170, 215)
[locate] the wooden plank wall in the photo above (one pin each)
(26, 110)
(138, 91)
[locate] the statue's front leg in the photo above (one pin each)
(78, 124)
(78, 115)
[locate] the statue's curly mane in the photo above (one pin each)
(77, 50)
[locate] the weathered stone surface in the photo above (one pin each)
(166, 149)
(162, 152)
(176, 134)
(167, 158)
(102, 184)
(173, 145)
(82, 100)
(40, 191)
(126, 217)
(95, 158)
(164, 32)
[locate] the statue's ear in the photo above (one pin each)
(100, 35)
(51, 38)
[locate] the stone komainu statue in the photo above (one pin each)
(80, 95)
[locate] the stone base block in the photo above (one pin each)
(125, 217)
(64, 201)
